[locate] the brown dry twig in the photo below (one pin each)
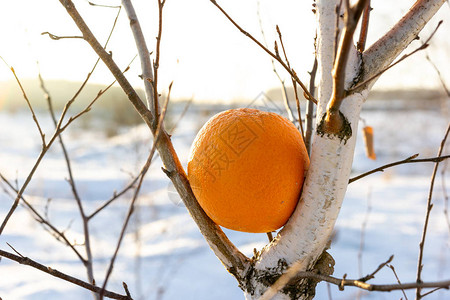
(334, 121)
(60, 127)
(308, 96)
(422, 47)
(284, 93)
(361, 45)
(91, 287)
(136, 193)
(309, 120)
(56, 37)
(59, 235)
(427, 215)
(398, 279)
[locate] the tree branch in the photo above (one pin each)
(308, 96)
(309, 120)
(292, 274)
(383, 52)
(334, 122)
(29, 262)
(230, 256)
(408, 160)
(42, 220)
(375, 76)
(427, 215)
(144, 54)
(135, 196)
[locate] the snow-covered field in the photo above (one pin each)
(164, 256)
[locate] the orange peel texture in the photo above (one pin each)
(246, 169)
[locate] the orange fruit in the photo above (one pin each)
(246, 169)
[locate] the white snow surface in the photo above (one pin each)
(163, 255)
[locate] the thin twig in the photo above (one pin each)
(144, 54)
(431, 292)
(337, 32)
(136, 193)
(27, 100)
(29, 262)
(334, 121)
(408, 160)
(427, 215)
(446, 197)
(441, 78)
(59, 129)
(71, 180)
(42, 220)
(309, 120)
(387, 48)
(308, 96)
(363, 232)
(378, 269)
(181, 116)
(359, 283)
(226, 251)
(102, 5)
(361, 45)
(398, 279)
(422, 47)
(284, 93)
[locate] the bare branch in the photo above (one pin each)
(309, 122)
(30, 107)
(115, 196)
(144, 54)
(383, 52)
(398, 279)
(408, 160)
(136, 193)
(156, 62)
(71, 180)
(56, 37)
(42, 220)
(294, 83)
(334, 121)
(375, 76)
(441, 79)
(343, 282)
(308, 96)
(29, 262)
(363, 234)
(361, 45)
(427, 215)
(102, 5)
(230, 256)
(59, 129)
(284, 94)
(109, 62)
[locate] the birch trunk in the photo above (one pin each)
(306, 236)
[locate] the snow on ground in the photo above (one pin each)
(164, 256)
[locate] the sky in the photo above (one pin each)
(205, 56)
